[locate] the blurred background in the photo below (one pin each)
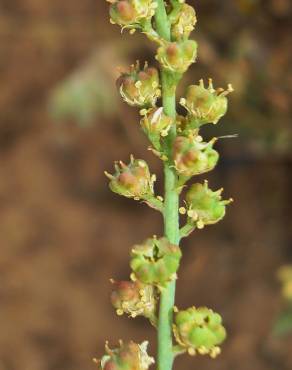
(63, 234)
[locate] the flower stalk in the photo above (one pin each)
(176, 140)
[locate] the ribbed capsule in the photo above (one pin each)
(199, 330)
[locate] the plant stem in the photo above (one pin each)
(171, 204)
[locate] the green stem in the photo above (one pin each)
(171, 204)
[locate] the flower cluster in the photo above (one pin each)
(156, 261)
(140, 87)
(205, 105)
(204, 206)
(126, 357)
(199, 330)
(134, 298)
(131, 13)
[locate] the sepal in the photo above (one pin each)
(156, 261)
(199, 330)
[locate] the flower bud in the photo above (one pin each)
(130, 13)
(184, 23)
(192, 157)
(140, 87)
(204, 206)
(133, 180)
(156, 123)
(285, 276)
(199, 330)
(155, 261)
(128, 356)
(206, 105)
(134, 298)
(177, 56)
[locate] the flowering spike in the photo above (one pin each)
(155, 261)
(140, 87)
(199, 330)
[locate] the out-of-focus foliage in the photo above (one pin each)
(284, 322)
(85, 94)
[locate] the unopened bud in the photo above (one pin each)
(155, 261)
(128, 356)
(205, 105)
(133, 180)
(140, 87)
(205, 207)
(193, 157)
(184, 23)
(177, 56)
(199, 330)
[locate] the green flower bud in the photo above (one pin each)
(205, 105)
(204, 206)
(134, 298)
(199, 330)
(177, 56)
(192, 157)
(155, 261)
(130, 13)
(184, 23)
(132, 180)
(140, 87)
(128, 356)
(156, 123)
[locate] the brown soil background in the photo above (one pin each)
(63, 234)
